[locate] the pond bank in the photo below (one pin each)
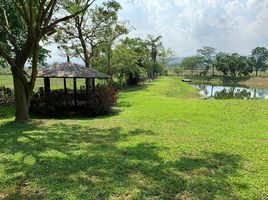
(253, 82)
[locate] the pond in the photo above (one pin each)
(231, 92)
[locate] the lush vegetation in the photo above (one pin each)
(228, 64)
(187, 149)
(57, 104)
(6, 98)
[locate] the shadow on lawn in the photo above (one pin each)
(60, 162)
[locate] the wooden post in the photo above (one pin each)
(47, 85)
(75, 93)
(93, 83)
(88, 86)
(65, 86)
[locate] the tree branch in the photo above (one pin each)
(13, 66)
(12, 40)
(50, 27)
(22, 10)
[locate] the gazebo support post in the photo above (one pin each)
(93, 83)
(75, 93)
(47, 85)
(65, 86)
(87, 85)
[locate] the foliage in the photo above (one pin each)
(97, 102)
(155, 45)
(178, 70)
(259, 59)
(100, 101)
(4, 70)
(6, 97)
(192, 63)
(208, 55)
(80, 36)
(130, 61)
(233, 64)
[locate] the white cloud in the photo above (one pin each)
(187, 25)
(229, 25)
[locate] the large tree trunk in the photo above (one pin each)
(22, 88)
(22, 100)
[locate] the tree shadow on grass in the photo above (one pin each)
(59, 162)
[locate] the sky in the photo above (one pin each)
(187, 25)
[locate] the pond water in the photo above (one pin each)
(231, 92)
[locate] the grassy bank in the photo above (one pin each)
(254, 82)
(162, 143)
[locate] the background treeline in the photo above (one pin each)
(228, 64)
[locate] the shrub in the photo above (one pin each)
(6, 97)
(98, 102)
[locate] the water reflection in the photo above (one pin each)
(227, 92)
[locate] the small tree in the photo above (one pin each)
(192, 63)
(244, 66)
(113, 31)
(177, 70)
(155, 45)
(81, 35)
(221, 63)
(130, 59)
(208, 55)
(259, 59)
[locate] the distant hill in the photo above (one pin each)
(174, 61)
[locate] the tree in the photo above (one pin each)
(112, 32)
(135, 69)
(23, 25)
(233, 64)
(165, 55)
(178, 70)
(192, 63)
(221, 63)
(259, 59)
(155, 45)
(208, 55)
(233, 61)
(80, 36)
(244, 66)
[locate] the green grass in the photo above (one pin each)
(162, 143)
(56, 83)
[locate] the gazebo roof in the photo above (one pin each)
(70, 70)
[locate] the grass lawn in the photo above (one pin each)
(163, 143)
(56, 83)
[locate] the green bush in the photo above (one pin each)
(56, 104)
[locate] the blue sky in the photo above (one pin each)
(187, 25)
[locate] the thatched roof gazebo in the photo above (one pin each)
(69, 70)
